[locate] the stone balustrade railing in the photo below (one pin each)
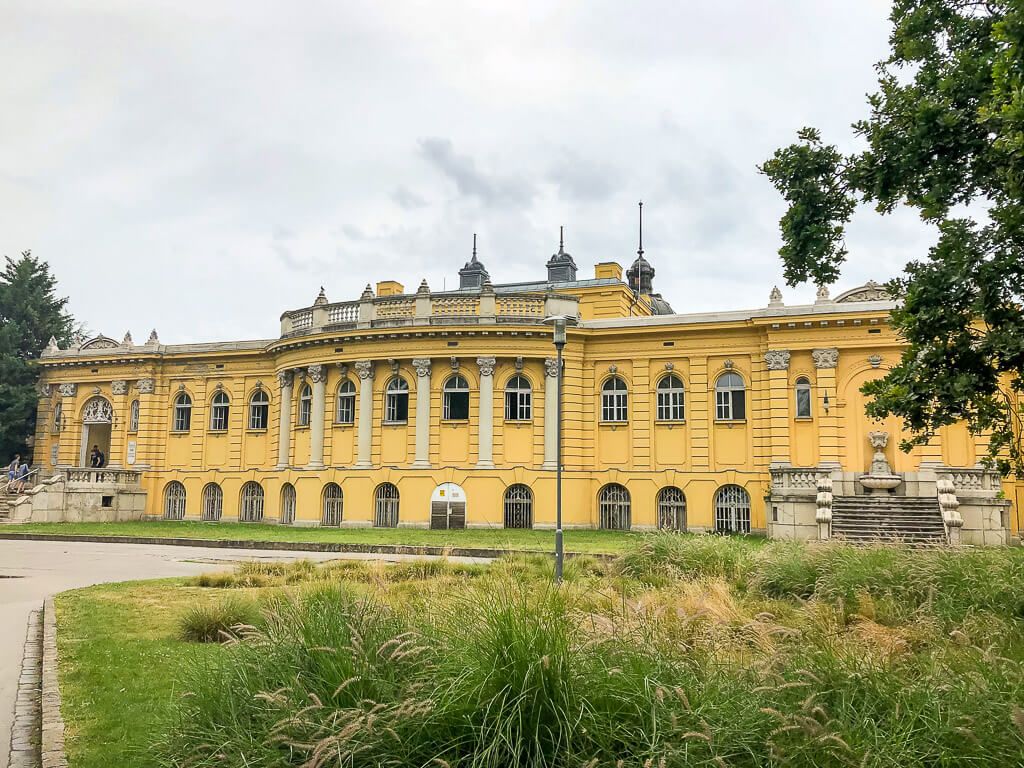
(796, 479)
(973, 479)
(104, 475)
(424, 308)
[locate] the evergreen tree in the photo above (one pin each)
(945, 136)
(30, 313)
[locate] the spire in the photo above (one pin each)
(561, 267)
(474, 273)
(640, 276)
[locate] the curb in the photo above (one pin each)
(295, 546)
(24, 746)
(52, 722)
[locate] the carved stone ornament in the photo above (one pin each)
(67, 389)
(258, 385)
(395, 365)
(45, 390)
(51, 346)
(775, 297)
(127, 340)
(422, 366)
(100, 342)
(613, 368)
(486, 365)
(878, 440)
(825, 358)
(118, 387)
(551, 366)
(284, 378)
(153, 338)
(519, 364)
(670, 366)
(98, 411)
(219, 387)
(822, 294)
(364, 369)
(455, 363)
(870, 291)
(181, 386)
(875, 360)
(777, 359)
(145, 386)
(316, 373)
(343, 369)
(728, 365)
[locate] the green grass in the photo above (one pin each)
(587, 541)
(685, 651)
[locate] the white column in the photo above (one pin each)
(486, 420)
(318, 376)
(550, 413)
(422, 366)
(365, 442)
(285, 378)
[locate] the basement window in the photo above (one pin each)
(107, 501)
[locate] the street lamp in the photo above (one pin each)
(558, 337)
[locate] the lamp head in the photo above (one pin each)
(559, 322)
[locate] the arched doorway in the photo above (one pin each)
(448, 506)
(97, 417)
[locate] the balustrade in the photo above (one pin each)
(104, 475)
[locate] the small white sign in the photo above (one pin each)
(131, 452)
(53, 454)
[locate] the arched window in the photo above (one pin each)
(182, 413)
(259, 410)
(58, 415)
(456, 398)
(174, 501)
(670, 399)
(803, 398)
(614, 508)
(732, 510)
(333, 505)
(305, 405)
(730, 398)
(385, 506)
(671, 509)
(518, 399)
(252, 503)
(219, 412)
(396, 401)
(614, 400)
(345, 413)
(213, 502)
(133, 416)
(287, 504)
(518, 506)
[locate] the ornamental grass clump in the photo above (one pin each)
(662, 557)
(218, 622)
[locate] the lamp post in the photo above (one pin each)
(558, 337)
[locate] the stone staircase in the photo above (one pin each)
(914, 520)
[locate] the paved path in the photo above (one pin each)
(32, 570)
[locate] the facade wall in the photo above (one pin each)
(837, 352)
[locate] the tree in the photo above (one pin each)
(30, 313)
(944, 135)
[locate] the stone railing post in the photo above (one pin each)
(423, 394)
(367, 309)
(949, 504)
(823, 512)
(421, 305)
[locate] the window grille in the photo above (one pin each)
(252, 503)
(518, 507)
(671, 509)
(213, 502)
(133, 416)
(334, 505)
(732, 510)
(385, 512)
(287, 504)
(174, 501)
(614, 508)
(58, 415)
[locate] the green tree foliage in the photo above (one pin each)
(944, 135)
(30, 313)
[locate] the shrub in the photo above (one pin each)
(218, 621)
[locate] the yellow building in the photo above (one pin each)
(424, 408)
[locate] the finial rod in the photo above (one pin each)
(561, 239)
(640, 250)
(474, 246)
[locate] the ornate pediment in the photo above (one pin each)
(870, 291)
(98, 411)
(100, 342)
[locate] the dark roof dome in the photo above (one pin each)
(561, 267)
(474, 273)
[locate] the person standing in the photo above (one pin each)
(23, 472)
(95, 457)
(12, 471)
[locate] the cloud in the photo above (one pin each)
(490, 189)
(408, 199)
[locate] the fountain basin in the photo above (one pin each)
(880, 482)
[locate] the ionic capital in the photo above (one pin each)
(285, 378)
(364, 369)
(422, 366)
(316, 373)
(486, 365)
(777, 359)
(551, 366)
(825, 358)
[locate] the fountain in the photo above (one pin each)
(880, 479)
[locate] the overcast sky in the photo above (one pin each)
(199, 167)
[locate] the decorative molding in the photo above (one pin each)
(258, 385)
(821, 297)
(181, 386)
(67, 389)
(519, 364)
(364, 368)
(343, 369)
(455, 363)
(285, 379)
(127, 340)
(777, 359)
(613, 368)
(45, 390)
(825, 358)
(775, 297)
(395, 365)
(317, 374)
(98, 411)
(870, 291)
(100, 342)
(145, 386)
(422, 366)
(875, 360)
(486, 365)
(153, 338)
(728, 365)
(670, 366)
(118, 387)
(551, 366)
(96, 390)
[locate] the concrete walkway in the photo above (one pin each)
(32, 570)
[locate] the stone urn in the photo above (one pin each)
(880, 478)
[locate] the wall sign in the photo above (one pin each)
(131, 452)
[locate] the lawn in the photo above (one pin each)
(587, 541)
(683, 651)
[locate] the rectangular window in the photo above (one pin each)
(613, 406)
(133, 417)
(517, 406)
(670, 406)
(456, 406)
(346, 409)
(259, 415)
(305, 411)
(219, 418)
(397, 409)
(182, 418)
(803, 403)
(730, 405)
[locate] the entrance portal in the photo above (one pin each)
(97, 417)
(448, 506)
